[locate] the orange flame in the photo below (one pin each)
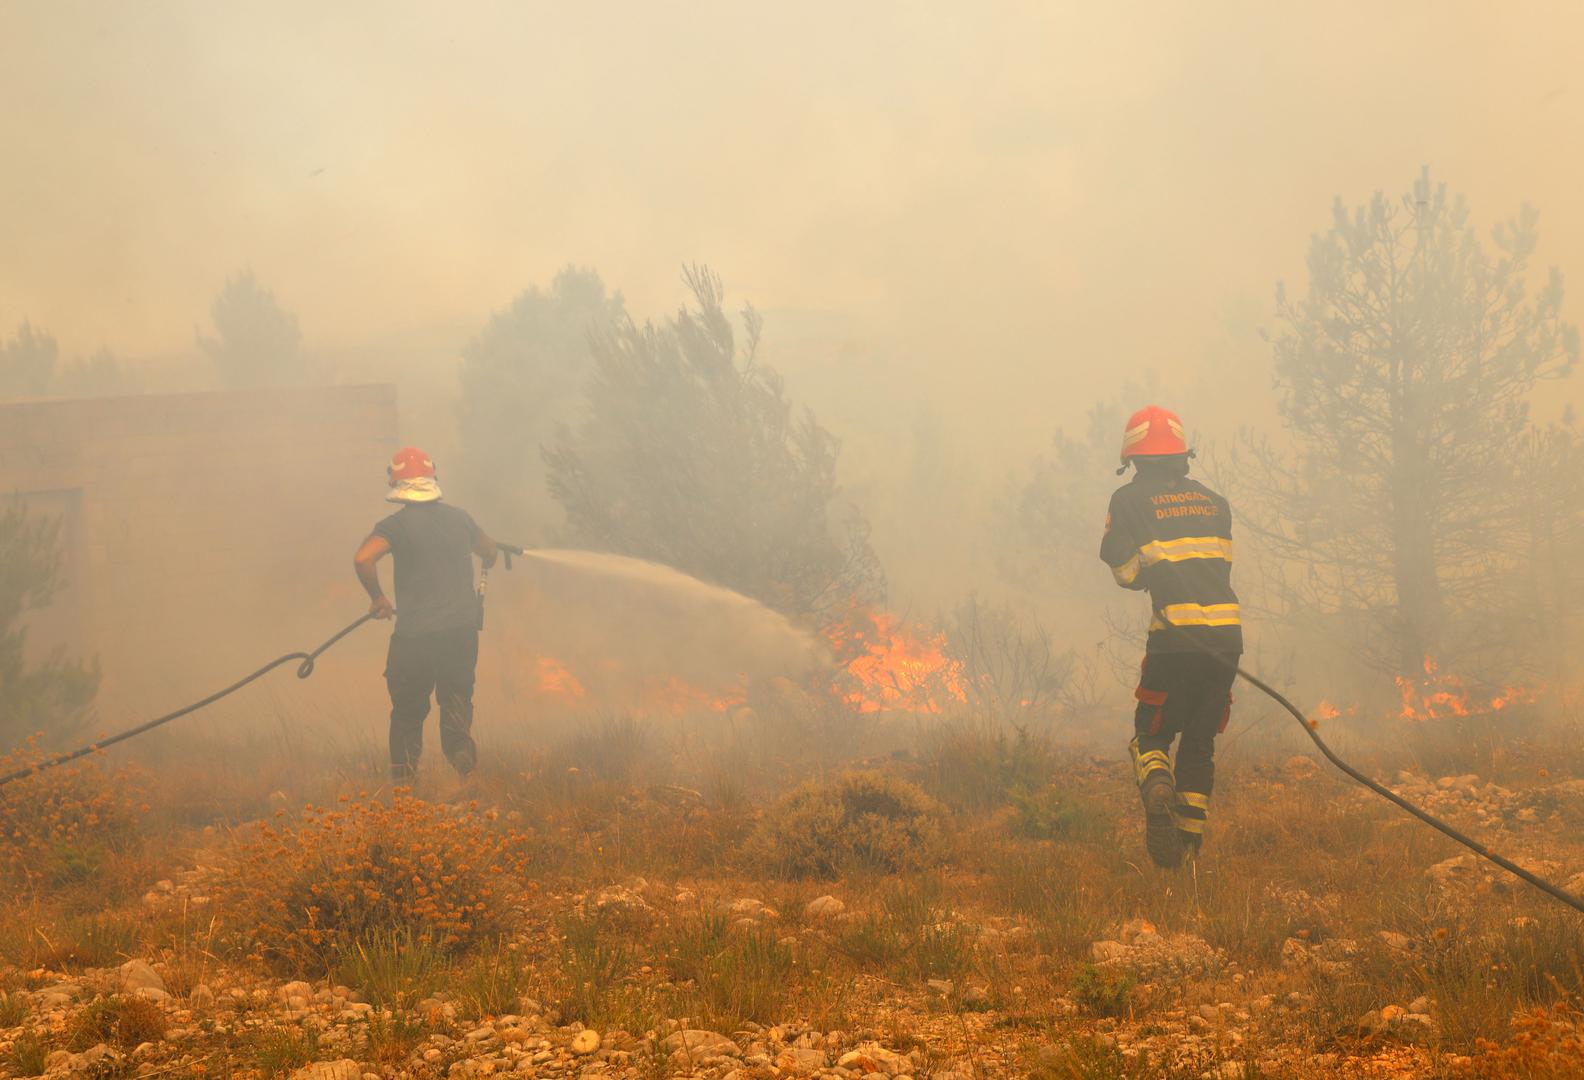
(887, 664)
(891, 666)
(557, 682)
(676, 697)
(669, 696)
(1439, 696)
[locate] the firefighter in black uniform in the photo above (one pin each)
(1172, 536)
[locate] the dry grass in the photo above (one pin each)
(27, 1055)
(992, 860)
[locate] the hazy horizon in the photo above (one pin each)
(1011, 206)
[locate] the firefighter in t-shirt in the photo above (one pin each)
(434, 648)
(1172, 536)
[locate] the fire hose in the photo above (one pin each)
(304, 669)
(1554, 891)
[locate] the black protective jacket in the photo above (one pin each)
(1172, 536)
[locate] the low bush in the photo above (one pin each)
(304, 893)
(1102, 991)
(393, 1037)
(1051, 813)
(594, 966)
(978, 766)
(82, 941)
(736, 975)
(493, 982)
(281, 1051)
(62, 825)
(28, 1054)
(862, 821)
(910, 938)
(125, 1021)
(393, 967)
(1547, 1044)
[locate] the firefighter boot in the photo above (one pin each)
(1158, 792)
(1191, 811)
(1162, 839)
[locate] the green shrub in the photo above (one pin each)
(281, 1051)
(1102, 991)
(392, 1038)
(862, 821)
(125, 1021)
(392, 967)
(491, 984)
(27, 1055)
(872, 941)
(943, 951)
(1049, 813)
(95, 940)
(977, 767)
(52, 693)
(910, 938)
(13, 1010)
(1085, 1057)
(595, 961)
(737, 975)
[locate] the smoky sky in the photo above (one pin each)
(1010, 205)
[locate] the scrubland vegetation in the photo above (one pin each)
(929, 897)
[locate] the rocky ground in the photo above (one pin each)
(1282, 975)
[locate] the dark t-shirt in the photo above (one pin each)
(432, 546)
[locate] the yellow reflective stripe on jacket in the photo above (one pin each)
(1188, 547)
(1198, 615)
(1158, 551)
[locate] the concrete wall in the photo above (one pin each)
(205, 532)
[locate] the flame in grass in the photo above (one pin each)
(1323, 712)
(556, 681)
(1437, 695)
(675, 697)
(1440, 696)
(891, 666)
(886, 664)
(671, 696)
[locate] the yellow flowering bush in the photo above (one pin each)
(303, 891)
(59, 826)
(1548, 1042)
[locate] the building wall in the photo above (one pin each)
(208, 531)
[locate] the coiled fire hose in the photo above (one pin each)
(304, 669)
(1554, 891)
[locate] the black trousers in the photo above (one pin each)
(1186, 694)
(416, 667)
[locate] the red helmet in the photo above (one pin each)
(1153, 432)
(410, 463)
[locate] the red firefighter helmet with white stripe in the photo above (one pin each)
(1153, 432)
(410, 463)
